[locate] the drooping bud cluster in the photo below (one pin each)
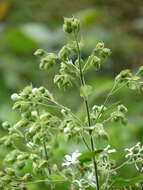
(98, 56)
(119, 115)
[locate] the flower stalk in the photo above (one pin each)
(88, 112)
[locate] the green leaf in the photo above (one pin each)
(86, 156)
(127, 182)
(85, 91)
(56, 178)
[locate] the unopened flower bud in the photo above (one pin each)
(99, 46)
(122, 108)
(34, 90)
(15, 97)
(10, 171)
(5, 125)
(66, 130)
(39, 52)
(43, 164)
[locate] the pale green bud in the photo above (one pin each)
(21, 164)
(96, 62)
(43, 164)
(105, 53)
(99, 46)
(39, 52)
(10, 171)
(122, 108)
(27, 177)
(5, 125)
(71, 25)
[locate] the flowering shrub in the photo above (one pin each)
(91, 169)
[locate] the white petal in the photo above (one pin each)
(68, 158)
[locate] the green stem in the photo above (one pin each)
(88, 113)
(46, 155)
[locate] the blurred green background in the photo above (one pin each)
(31, 24)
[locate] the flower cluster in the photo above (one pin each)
(31, 140)
(135, 155)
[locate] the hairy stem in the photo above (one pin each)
(88, 112)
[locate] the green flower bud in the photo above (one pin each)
(42, 90)
(48, 61)
(5, 125)
(76, 25)
(10, 171)
(99, 46)
(65, 52)
(136, 149)
(20, 164)
(63, 81)
(23, 156)
(124, 75)
(43, 164)
(17, 106)
(71, 24)
(39, 52)
(105, 53)
(96, 62)
(122, 109)
(27, 177)
(103, 134)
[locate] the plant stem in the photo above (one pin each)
(46, 155)
(88, 112)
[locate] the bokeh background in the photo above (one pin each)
(31, 24)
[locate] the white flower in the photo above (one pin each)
(91, 179)
(69, 160)
(109, 151)
(134, 151)
(14, 96)
(34, 90)
(66, 130)
(135, 155)
(34, 113)
(19, 157)
(30, 144)
(82, 183)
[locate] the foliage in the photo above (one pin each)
(92, 168)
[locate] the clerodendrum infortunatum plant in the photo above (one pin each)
(92, 169)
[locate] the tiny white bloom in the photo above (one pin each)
(66, 130)
(82, 183)
(109, 151)
(134, 151)
(34, 113)
(34, 90)
(69, 160)
(30, 144)
(19, 157)
(14, 96)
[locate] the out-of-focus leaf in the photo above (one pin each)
(56, 178)
(19, 42)
(86, 156)
(128, 182)
(88, 17)
(4, 5)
